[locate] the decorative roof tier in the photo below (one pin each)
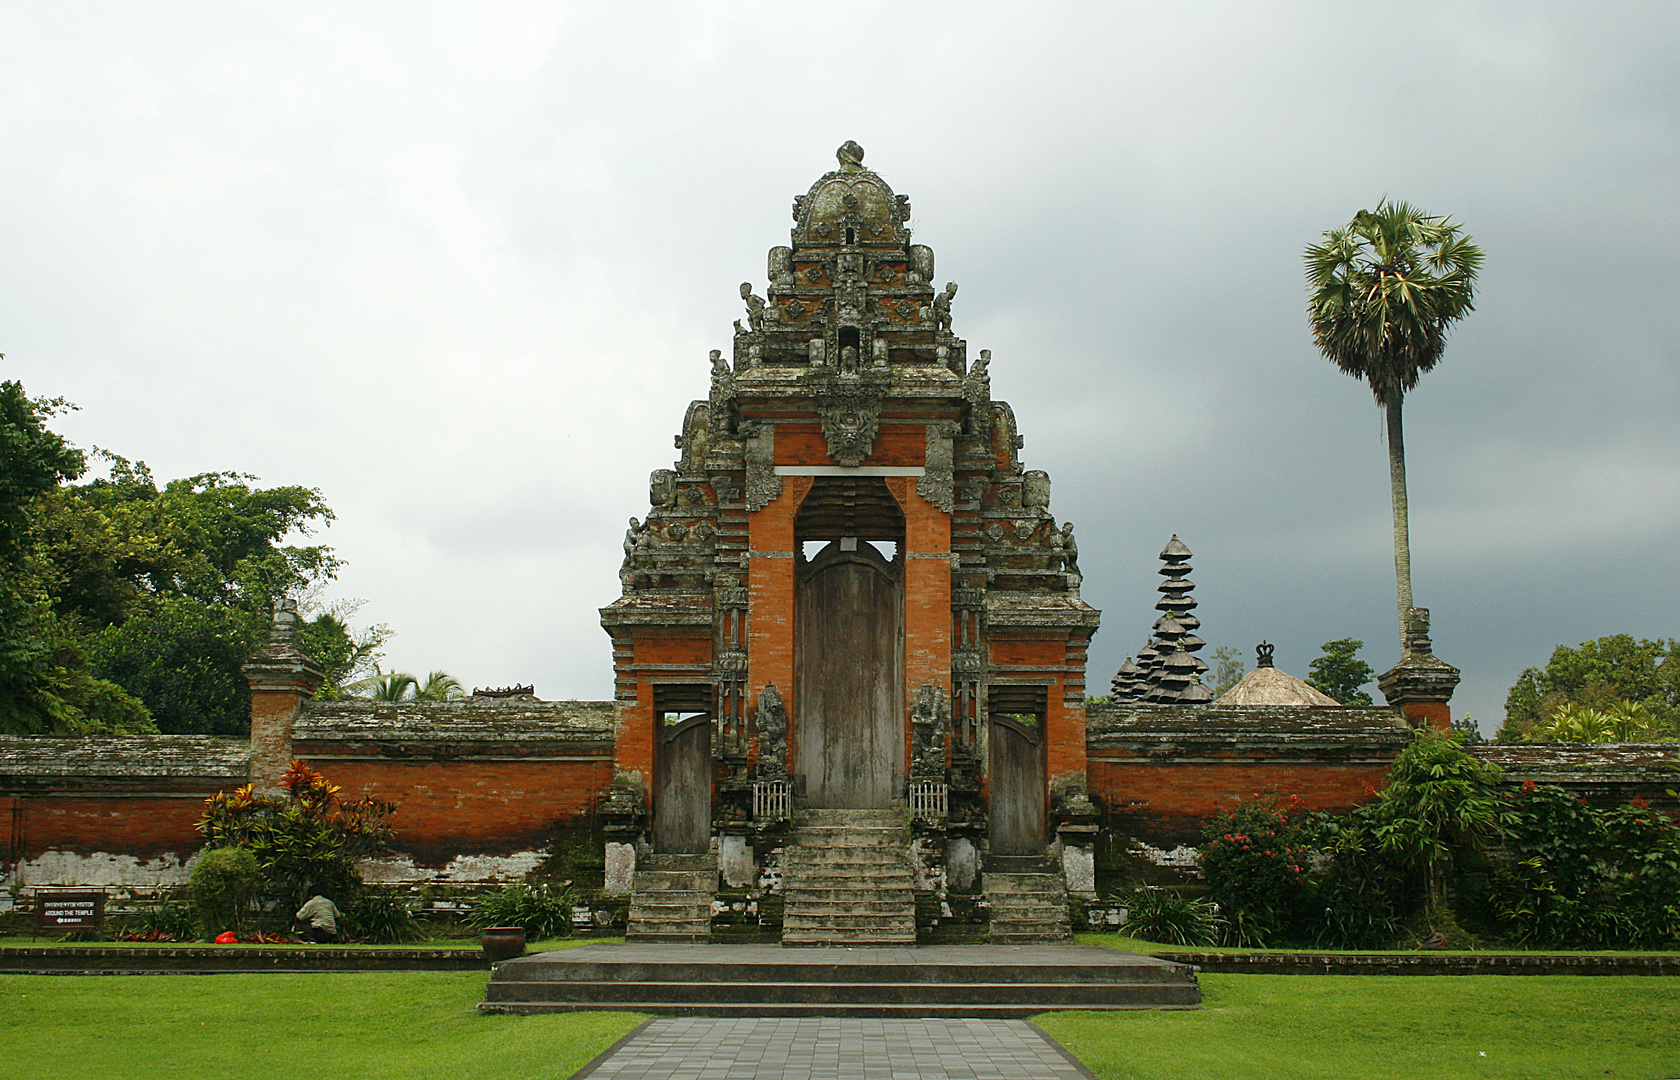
(1167, 670)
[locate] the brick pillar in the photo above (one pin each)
(1421, 685)
(281, 677)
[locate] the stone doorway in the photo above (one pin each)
(682, 768)
(1017, 776)
(849, 677)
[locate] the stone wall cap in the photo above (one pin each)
(508, 720)
(126, 757)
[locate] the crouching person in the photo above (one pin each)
(318, 919)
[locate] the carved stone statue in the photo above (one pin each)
(755, 306)
(849, 360)
(634, 537)
(942, 305)
(772, 735)
(927, 731)
(1070, 549)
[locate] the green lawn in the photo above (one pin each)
(389, 1025)
(548, 945)
(403, 1025)
(1405, 1027)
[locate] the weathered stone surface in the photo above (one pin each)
(621, 868)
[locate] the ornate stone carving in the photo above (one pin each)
(849, 407)
(781, 263)
(763, 485)
(755, 306)
(724, 485)
(942, 305)
(1035, 490)
(935, 483)
(1070, 549)
(772, 735)
(677, 531)
(662, 487)
(921, 264)
(928, 723)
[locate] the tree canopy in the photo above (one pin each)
(128, 606)
(1340, 673)
(1608, 676)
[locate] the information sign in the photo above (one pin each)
(64, 911)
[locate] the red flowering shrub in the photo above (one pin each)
(1254, 857)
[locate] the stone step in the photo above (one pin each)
(822, 1010)
(1054, 995)
(691, 863)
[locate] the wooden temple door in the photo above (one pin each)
(682, 770)
(1018, 799)
(849, 677)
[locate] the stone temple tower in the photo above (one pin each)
(848, 596)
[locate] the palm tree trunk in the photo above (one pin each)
(1402, 531)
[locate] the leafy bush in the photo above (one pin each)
(224, 881)
(544, 911)
(1165, 916)
(1254, 857)
(380, 915)
(166, 917)
(1581, 877)
(310, 837)
(1358, 898)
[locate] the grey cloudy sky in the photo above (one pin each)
(459, 266)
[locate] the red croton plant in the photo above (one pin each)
(309, 837)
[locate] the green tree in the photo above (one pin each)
(33, 461)
(1384, 292)
(401, 686)
(1227, 668)
(1340, 673)
(1599, 675)
(1439, 802)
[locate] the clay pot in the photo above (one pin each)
(502, 942)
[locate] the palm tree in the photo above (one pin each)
(1384, 292)
(439, 686)
(401, 686)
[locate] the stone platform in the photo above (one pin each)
(985, 981)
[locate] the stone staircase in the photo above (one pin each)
(768, 980)
(672, 899)
(846, 880)
(1028, 898)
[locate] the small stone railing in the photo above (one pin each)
(930, 800)
(770, 800)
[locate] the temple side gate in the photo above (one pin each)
(849, 581)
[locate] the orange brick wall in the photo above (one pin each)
(1164, 802)
(145, 825)
(447, 808)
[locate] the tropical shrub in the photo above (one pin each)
(309, 837)
(1576, 876)
(1357, 897)
(545, 911)
(1440, 803)
(380, 915)
(224, 882)
(1165, 916)
(1254, 857)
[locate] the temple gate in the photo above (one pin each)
(851, 578)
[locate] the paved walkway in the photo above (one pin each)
(705, 1048)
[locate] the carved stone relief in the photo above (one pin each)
(935, 483)
(763, 485)
(927, 731)
(772, 735)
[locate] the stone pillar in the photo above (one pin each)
(1421, 685)
(281, 677)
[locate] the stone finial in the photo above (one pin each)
(282, 664)
(850, 156)
(1263, 654)
(1420, 684)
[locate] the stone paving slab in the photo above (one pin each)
(704, 1048)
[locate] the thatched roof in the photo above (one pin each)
(1269, 686)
